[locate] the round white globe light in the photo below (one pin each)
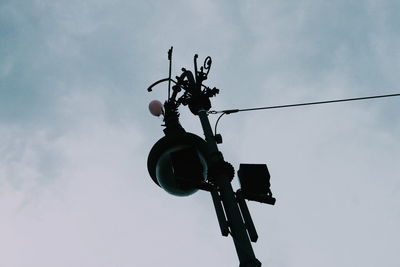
(156, 108)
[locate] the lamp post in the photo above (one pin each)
(182, 162)
(222, 180)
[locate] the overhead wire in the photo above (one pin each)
(230, 111)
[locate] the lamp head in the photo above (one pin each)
(177, 163)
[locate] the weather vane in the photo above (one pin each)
(182, 163)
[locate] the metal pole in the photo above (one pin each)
(237, 227)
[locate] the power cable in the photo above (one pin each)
(230, 111)
(216, 124)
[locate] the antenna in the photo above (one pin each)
(169, 72)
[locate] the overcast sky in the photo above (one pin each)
(75, 130)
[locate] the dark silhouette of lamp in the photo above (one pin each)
(177, 163)
(182, 163)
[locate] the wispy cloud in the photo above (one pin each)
(75, 131)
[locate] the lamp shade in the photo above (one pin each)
(178, 163)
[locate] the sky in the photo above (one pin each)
(75, 130)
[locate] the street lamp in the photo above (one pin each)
(182, 162)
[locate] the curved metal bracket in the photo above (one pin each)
(160, 81)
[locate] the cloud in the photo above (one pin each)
(75, 131)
